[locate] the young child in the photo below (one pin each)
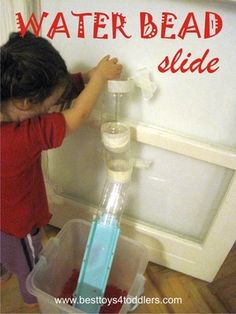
(34, 79)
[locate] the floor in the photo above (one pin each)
(197, 296)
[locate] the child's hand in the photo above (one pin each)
(107, 69)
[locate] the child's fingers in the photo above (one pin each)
(114, 60)
(107, 57)
(119, 67)
(118, 70)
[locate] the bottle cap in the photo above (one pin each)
(119, 87)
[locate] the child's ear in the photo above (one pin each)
(23, 104)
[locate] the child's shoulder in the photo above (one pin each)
(28, 122)
(45, 131)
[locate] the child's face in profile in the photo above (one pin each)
(21, 110)
(48, 105)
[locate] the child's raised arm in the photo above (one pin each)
(107, 69)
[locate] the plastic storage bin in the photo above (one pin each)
(65, 252)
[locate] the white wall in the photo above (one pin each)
(177, 193)
(7, 15)
(201, 106)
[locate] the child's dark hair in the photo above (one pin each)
(32, 68)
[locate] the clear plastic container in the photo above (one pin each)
(113, 200)
(116, 137)
(65, 252)
(116, 140)
(117, 98)
(119, 168)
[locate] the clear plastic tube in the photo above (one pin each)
(116, 137)
(116, 96)
(113, 201)
(116, 140)
(105, 229)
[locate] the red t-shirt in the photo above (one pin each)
(23, 196)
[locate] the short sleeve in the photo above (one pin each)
(47, 130)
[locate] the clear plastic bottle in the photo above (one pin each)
(113, 201)
(116, 96)
(105, 230)
(116, 141)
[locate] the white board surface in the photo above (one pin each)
(177, 193)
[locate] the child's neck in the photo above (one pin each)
(13, 114)
(4, 117)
